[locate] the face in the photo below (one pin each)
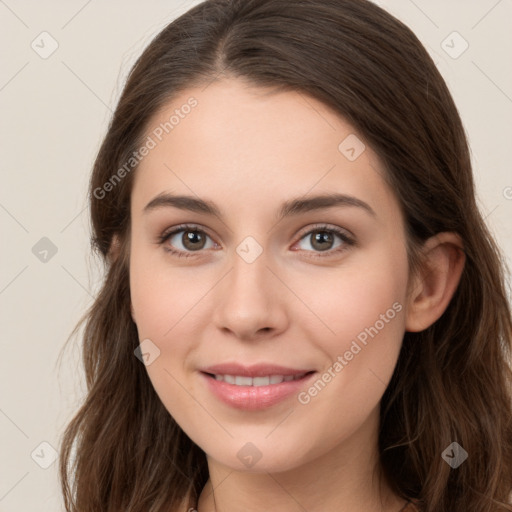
(265, 277)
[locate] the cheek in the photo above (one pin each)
(163, 302)
(365, 313)
(162, 296)
(363, 325)
(351, 299)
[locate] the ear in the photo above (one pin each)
(112, 255)
(114, 249)
(431, 290)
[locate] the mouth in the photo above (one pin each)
(266, 380)
(255, 388)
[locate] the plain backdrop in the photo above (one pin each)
(54, 112)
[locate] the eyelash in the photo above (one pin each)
(347, 241)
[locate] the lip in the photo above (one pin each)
(256, 370)
(253, 398)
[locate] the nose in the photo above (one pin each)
(250, 300)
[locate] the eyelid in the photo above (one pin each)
(319, 226)
(183, 227)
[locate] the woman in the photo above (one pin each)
(303, 308)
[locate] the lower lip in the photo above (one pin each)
(254, 398)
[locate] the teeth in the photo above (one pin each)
(243, 381)
(239, 380)
(229, 379)
(260, 381)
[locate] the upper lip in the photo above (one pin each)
(256, 370)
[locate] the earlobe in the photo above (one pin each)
(434, 287)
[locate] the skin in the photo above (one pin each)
(248, 150)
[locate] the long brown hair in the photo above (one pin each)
(123, 451)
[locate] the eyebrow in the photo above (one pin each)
(289, 208)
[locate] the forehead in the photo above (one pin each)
(243, 144)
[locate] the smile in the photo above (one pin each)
(257, 392)
(239, 380)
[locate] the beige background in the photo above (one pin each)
(55, 112)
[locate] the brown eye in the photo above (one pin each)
(193, 240)
(185, 240)
(323, 239)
